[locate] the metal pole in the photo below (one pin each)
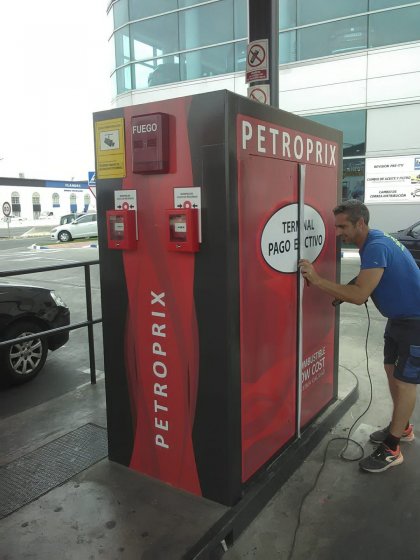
(90, 325)
(300, 286)
(264, 24)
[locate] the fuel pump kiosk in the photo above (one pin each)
(217, 356)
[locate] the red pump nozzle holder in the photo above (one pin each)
(182, 228)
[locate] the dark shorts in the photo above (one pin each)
(402, 348)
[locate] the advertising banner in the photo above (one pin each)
(392, 179)
(268, 158)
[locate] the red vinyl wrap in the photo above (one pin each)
(161, 345)
(267, 316)
(268, 303)
(318, 315)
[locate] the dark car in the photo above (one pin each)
(25, 310)
(410, 238)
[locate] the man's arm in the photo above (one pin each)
(356, 293)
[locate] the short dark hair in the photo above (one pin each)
(354, 210)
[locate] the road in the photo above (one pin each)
(19, 243)
(16, 230)
(68, 367)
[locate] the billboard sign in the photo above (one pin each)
(392, 179)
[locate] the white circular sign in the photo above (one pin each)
(280, 237)
(7, 209)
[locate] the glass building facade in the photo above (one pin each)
(167, 41)
(173, 41)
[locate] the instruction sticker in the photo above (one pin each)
(110, 149)
(189, 197)
(280, 237)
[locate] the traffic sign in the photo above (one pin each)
(91, 179)
(260, 93)
(7, 209)
(257, 61)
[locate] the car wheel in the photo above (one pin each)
(64, 236)
(21, 362)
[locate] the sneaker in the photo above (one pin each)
(381, 459)
(380, 435)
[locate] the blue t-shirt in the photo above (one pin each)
(398, 293)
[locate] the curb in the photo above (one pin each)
(35, 234)
(61, 245)
(38, 247)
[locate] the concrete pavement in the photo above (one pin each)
(108, 512)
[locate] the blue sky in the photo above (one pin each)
(55, 61)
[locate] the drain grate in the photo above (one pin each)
(31, 476)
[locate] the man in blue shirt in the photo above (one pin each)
(389, 275)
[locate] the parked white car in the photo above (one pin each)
(84, 226)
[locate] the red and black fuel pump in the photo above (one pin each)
(216, 354)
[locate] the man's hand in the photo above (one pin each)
(358, 290)
(308, 272)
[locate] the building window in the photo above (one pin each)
(313, 11)
(120, 12)
(169, 42)
(123, 79)
(73, 203)
(15, 197)
(207, 25)
(36, 205)
(240, 20)
(204, 63)
(354, 179)
(155, 37)
(378, 4)
(16, 208)
(394, 26)
(353, 126)
(287, 14)
(337, 37)
(122, 46)
(186, 3)
(240, 56)
(306, 29)
(56, 200)
(287, 47)
(157, 72)
(140, 9)
(171, 33)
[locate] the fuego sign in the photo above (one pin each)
(280, 238)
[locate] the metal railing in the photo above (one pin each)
(89, 316)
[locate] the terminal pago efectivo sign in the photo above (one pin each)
(280, 237)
